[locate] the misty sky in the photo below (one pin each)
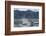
(25, 9)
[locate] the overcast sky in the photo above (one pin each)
(25, 9)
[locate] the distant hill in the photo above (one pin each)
(26, 14)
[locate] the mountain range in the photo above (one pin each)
(29, 14)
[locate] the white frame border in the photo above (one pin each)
(25, 28)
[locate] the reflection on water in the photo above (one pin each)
(26, 22)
